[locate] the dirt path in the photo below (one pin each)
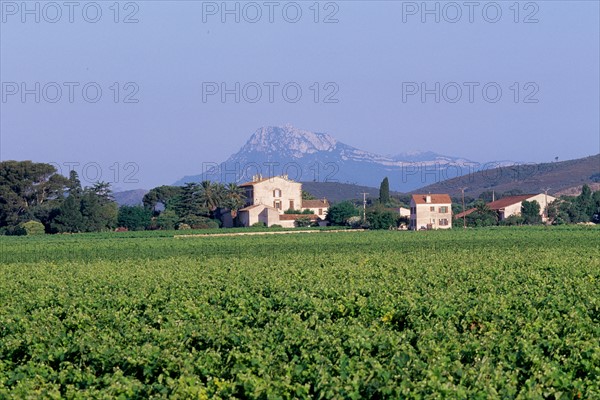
(266, 233)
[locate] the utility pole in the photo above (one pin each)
(463, 205)
(365, 206)
(546, 202)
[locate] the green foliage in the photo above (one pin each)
(33, 228)
(530, 212)
(259, 225)
(380, 218)
(167, 220)
(196, 222)
(134, 218)
(482, 216)
(583, 208)
(25, 187)
(163, 195)
(303, 222)
(297, 212)
(307, 196)
(88, 210)
(384, 191)
(513, 220)
(338, 214)
(387, 315)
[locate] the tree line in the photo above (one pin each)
(35, 198)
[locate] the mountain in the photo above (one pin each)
(559, 177)
(129, 197)
(318, 157)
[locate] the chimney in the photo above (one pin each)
(428, 199)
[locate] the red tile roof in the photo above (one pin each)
(499, 204)
(435, 198)
(315, 203)
(508, 201)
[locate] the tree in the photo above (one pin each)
(379, 217)
(134, 218)
(211, 195)
(384, 191)
(69, 217)
(167, 220)
(338, 214)
(234, 198)
(33, 228)
(530, 212)
(303, 222)
(307, 196)
(27, 187)
(89, 210)
(163, 195)
(482, 216)
(188, 204)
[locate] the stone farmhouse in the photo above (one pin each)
(267, 199)
(511, 205)
(430, 211)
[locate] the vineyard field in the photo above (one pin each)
(469, 314)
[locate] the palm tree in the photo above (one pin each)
(235, 198)
(211, 195)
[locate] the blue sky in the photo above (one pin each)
(367, 60)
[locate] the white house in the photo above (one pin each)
(511, 205)
(267, 199)
(430, 211)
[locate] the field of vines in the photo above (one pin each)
(476, 314)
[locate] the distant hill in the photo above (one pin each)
(336, 192)
(559, 177)
(130, 197)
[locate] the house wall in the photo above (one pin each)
(287, 223)
(290, 191)
(515, 209)
(315, 211)
(268, 215)
(423, 216)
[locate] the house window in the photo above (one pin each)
(320, 211)
(443, 222)
(432, 208)
(277, 193)
(443, 210)
(291, 204)
(277, 204)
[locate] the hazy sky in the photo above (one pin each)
(369, 60)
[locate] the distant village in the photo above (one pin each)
(269, 198)
(37, 200)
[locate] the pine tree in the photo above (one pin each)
(384, 191)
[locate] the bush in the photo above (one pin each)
(183, 227)
(259, 225)
(33, 228)
(196, 222)
(512, 220)
(303, 222)
(380, 218)
(15, 231)
(134, 218)
(339, 214)
(167, 220)
(354, 222)
(276, 226)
